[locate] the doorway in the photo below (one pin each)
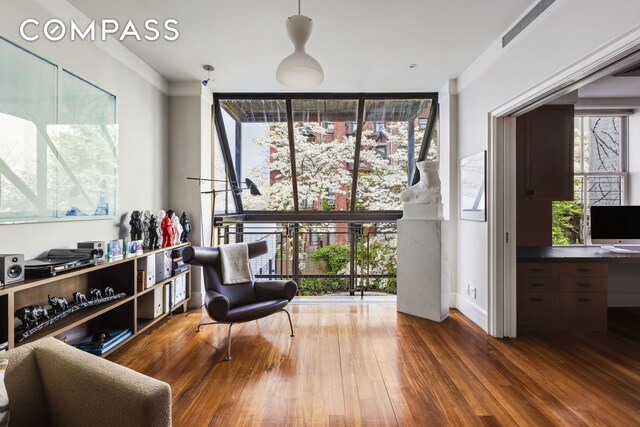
(502, 180)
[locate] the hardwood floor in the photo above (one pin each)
(368, 365)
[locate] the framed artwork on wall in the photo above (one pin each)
(59, 142)
(473, 187)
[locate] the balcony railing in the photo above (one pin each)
(349, 259)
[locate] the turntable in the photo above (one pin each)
(60, 260)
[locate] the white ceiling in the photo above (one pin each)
(363, 45)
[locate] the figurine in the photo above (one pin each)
(186, 228)
(58, 304)
(31, 314)
(167, 230)
(109, 292)
(177, 229)
(427, 190)
(146, 216)
(96, 294)
(79, 297)
(136, 226)
(153, 233)
(161, 215)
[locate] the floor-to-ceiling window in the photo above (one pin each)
(329, 169)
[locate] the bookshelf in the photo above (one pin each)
(121, 275)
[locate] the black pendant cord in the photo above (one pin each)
(298, 7)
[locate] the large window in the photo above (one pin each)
(307, 154)
(600, 177)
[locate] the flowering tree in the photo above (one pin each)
(324, 168)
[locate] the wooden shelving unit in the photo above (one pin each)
(119, 274)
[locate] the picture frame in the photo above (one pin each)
(116, 249)
(473, 187)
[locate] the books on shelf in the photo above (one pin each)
(103, 340)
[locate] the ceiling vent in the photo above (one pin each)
(633, 71)
(526, 21)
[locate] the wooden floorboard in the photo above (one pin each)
(367, 365)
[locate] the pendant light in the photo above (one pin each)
(299, 70)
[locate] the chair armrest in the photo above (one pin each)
(275, 289)
(82, 389)
(217, 305)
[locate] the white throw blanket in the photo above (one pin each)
(234, 259)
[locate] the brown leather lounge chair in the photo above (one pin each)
(241, 302)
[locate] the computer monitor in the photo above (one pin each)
(615, 225)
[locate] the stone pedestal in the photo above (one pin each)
(420, 286)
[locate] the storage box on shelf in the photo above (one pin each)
(121, 275)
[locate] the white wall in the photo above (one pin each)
(191, 156)
(634, 158)
(142, 110)
(569, 31)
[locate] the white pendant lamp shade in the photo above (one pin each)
(299, 70)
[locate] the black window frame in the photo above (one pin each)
(298, 214)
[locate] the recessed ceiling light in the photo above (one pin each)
(413, 65)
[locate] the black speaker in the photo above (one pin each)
(11, 268)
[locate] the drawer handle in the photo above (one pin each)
(584, 270)
(537, 299)
(537, 270)
(536, 285)
(584, 299)
(584, 285)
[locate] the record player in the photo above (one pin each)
(60, 260)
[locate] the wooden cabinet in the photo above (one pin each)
(544, 153)
(125, 312)
(562, 296)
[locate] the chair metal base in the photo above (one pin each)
(228, 356)
(290, 324)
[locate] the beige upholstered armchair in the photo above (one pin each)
(53, 384)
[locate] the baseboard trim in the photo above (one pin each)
(476, 314)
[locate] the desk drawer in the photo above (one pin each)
(539, 306)
(584, 307)
(584, 284)
(539, 284)
(538, 270)
(584, 269)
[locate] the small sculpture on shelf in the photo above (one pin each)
(167, 230)
(31, 314)
(161, 215)
(136, 226)
(153, 233)
(79, 297)
(146, 216)
(177, 228)
(95, 293)
(109, 292)
(186, 228)
(58, 304)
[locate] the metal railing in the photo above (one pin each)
(343, 258)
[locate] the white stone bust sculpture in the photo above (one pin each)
(427, 190)
(177, 228)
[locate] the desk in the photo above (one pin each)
(565, 288)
